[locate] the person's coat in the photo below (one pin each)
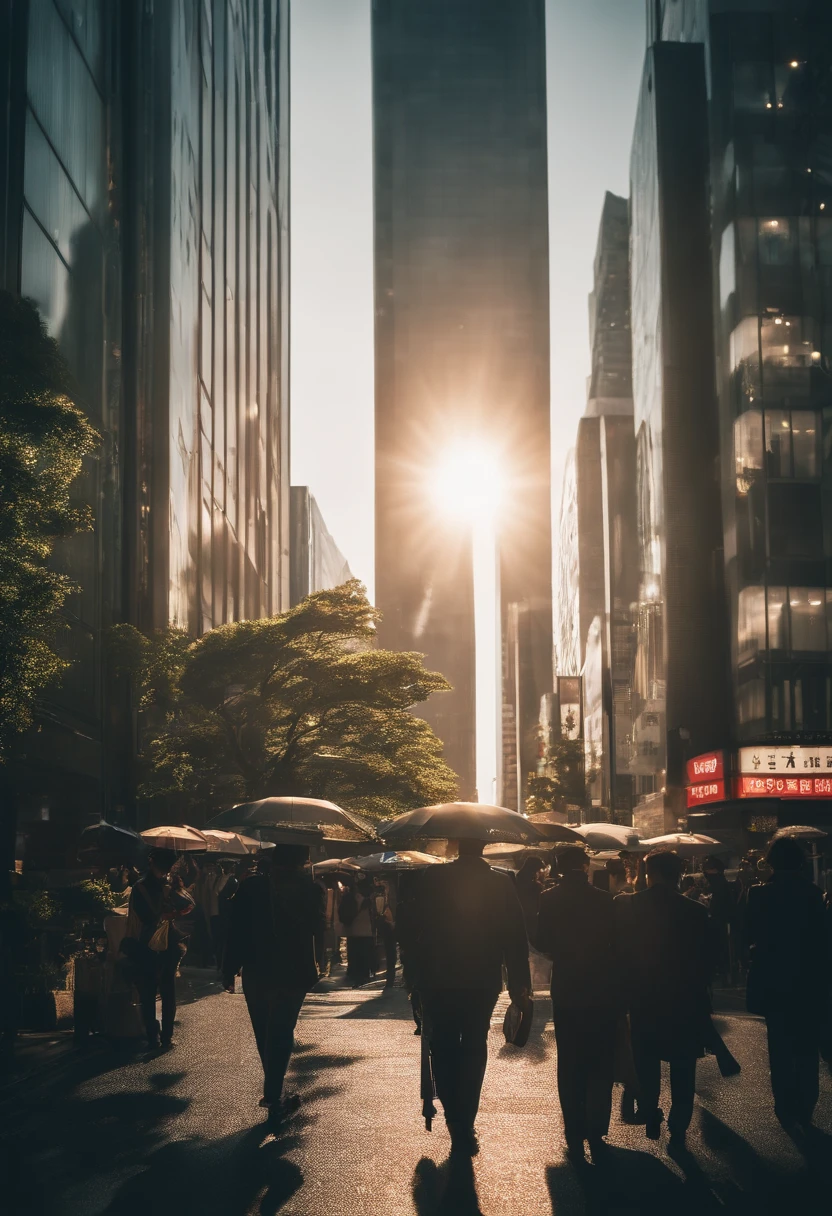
(459, 925)
(273, 923)
(576, 929)
(665, 951)
(787, 934)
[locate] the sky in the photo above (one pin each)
(595, 50)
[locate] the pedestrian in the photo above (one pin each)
(664, 949)
(461, 924)
(619, 882)
(529, 888)
(385, 917)
(576, 930)
(207, 891)
(153, 943)
(274, 919)
(788, 980)
(357, 913)
(722, 907)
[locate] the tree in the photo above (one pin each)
(301, 703)
(565, 781)
(44, 437)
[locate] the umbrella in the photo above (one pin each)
(405, 859)
(233, 843)
(799, 831)
(607, 836)
(275, 812)
(335, 865)
(181, 838)
(551, 829)
(687, 844)
(104, 843)
(462, 821)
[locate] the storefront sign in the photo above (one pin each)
(790, 761)
(710, 767)
(784, 787)
(711, 791)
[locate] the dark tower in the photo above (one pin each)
(462, 326)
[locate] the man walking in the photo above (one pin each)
(461, 926)
(665, 953)
(274, 921)
(155, 943)
(576, 930)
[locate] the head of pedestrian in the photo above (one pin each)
(787, 856)
(619, 878)
(573, 861)
(713, 867)
(288, 858)
(161, 861)
(532, 871)
(469, 848)
(664, 868)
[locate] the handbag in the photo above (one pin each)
(517, 1023)
(159, 940)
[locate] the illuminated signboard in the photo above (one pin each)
(785, 761)
(707, 768)
(710, 791)
(784, 787)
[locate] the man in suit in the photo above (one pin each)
(274, 920)
(666, 956)
(462, 923)
(576, 930)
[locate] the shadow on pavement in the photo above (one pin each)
(386, 1004)
(445, 1190)
(540, 1043)
(628, 1183)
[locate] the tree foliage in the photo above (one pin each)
(564, 783)
(44, 437)
(302, 704)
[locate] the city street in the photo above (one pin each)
(181, 1132)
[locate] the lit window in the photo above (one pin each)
(748, 448)
(751, 622)
(808, 618)
(778, 621)
(778, 444)
(805, 445)
(751, 702)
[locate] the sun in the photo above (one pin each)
(467, 483)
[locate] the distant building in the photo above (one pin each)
(462, 327)
(317, 563)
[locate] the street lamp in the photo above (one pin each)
(467, 486)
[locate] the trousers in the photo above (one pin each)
(793, 1058)
(274, 1013)
(360, 959)
(586, 1059)
(457, 1021)
(156, 973)
(682, 1083)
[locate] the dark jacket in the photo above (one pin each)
(461, 923)
(273, 921)
(576, 929)
(665, 951)
(150, 898)
(787, 932)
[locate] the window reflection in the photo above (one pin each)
(793, 444)
(748, 448)
(778, 622)
(751, 702)
(777, 242)
(778, 443)
(808, 618)
(805, 446)
(745, 361)
(786, 346)
(751, 622)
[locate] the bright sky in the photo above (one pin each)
(595, 52)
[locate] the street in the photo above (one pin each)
(181, 1132)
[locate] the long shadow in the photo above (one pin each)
(445, 1190)
(539, 1046)
(383, 1006)
(629, 1183)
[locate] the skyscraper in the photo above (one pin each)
(462, 326)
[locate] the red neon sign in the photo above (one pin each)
(711, 791)
(784, 787)
(707, 768)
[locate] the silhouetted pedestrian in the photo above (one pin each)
(274, 919)
(788, 981)
(461, 924)
(576, 930)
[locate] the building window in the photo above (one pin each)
(786, 345)
(777, 242)
(751, 622)
(778, 443)
(805, 446)
(751, 702)
(748, 448)
(795, 521)
(793, 444)
(807, 609)
(745, 361)
(778, 620)
(753, 87)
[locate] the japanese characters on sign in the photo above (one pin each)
(710, 767)
(785, 787)
(710, 791)
(786, 761)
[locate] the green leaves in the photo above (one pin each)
(44, 438)
(301, 703)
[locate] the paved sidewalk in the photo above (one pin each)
(180, 1133)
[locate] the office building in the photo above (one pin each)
(462, 327)
(317, 564)
(143, 207)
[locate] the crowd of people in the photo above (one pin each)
(630, 962)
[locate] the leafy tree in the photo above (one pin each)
(301, 703)
(564, 783)
(44, 437)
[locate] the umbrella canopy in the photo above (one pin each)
(799, 831)
(607, 836)
(105, 844)
(181, 838)
(336, 865)
(462, 821)
(687, 844)
(553, 829)
(391, 861)
(315, 812)
(233, 843)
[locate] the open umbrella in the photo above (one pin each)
(337, 865)
(798, 831)
(106, 844)
(392, 861)
(461, 821)
(552, 829)
(687, 844)
(607, 836)
(233, 843)
(181, 838)
(315, 812)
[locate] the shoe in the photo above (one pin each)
(464, 1140)
(599, 1149)
(282, 1110)
(575, 1152)
(166, 1044)
(653, 1125)
(677, 1144)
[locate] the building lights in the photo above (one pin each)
(768, 105)
(794, 63)
(816, 356)
(778, 320)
